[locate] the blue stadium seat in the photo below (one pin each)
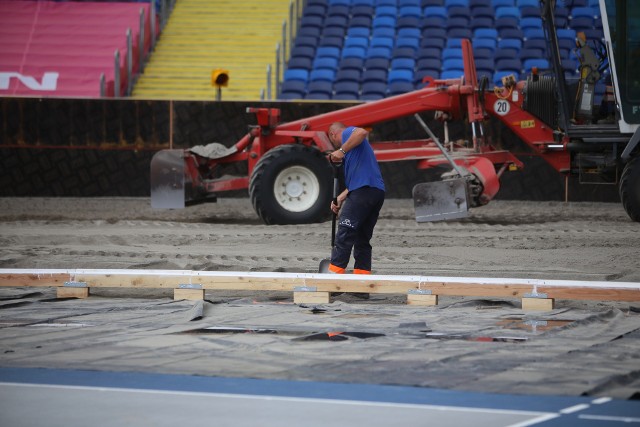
(433, 22)
(456, 3)
(429, 53)
(484, 44)
(385, 3)
(437, 12)
(531, 53)
(312, 21)
(486, 33)
(535, 44)
(580, 12)
(512, 12)
(400, 87)
(502, 3)
(511, 33)
(407, 42)
(321, 87)
(454, 42)
(309, 32)
(332, 41)
(296, 74)
(346, 87)
(306, 41)
(297, 88)
(429, 63)
(334, 32)
(354, 52)
(423, 72)
(400, 75)
(407, 22)
(482, 53)
(341, 2)
(320, 96)
(384, 21)
(376, 63)
(451, 74)
(370, 3)
(345, 97)
(300, 62)
(542, 64)
(348, 75)
(352, 64)
(460, 33)
(451, 52)
(561, 16)
(291, 95)
(534, 34)
(325, 63)
(413, 11)
(403, 3)
(386, 42)
(336, 21)
(506, 53)
(391, 11)
(530, 12)
(362, 42)
(404, 52)
(362, 10)
(485, 65)
(338, 10)
(374, 75)
(361, 21)
(453, 64)
(570, 65)
(322, 3)
(410, 33)
(437, 33)
(526, 23)
(473, 4)
(527, 3)
(378, 52)
(322, 74)
(358, 32)
(303, 52)
(512, 64)
(510, 43)
(427, 3)
(483, 12)
(314, 10)
(403, 64)
(328, 51)
(459, 14)
(384, 32)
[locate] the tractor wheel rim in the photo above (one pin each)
(296, 188)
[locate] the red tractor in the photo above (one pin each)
(289, 177)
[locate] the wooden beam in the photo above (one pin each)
(538, 304)
(373, 284)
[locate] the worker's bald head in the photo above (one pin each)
(335, 133)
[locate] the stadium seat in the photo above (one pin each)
(303, 52)
(426, 63)
(309, 32)
(312, 21)
(449, 52)
(347, 88)
(373, 90)
(432, 43)
(322, 74)
(354, 52)
(336, 21)
(340, 2)
(409, 33)
(321, 87)
(300, 63)
(408, 22)
(390, 11)
(384, 21)
(327, 63)
(404, 52)
(534, 34)
(358, 32)
(427, 3)
(407, 42)
(527, 3)
(296, 74)
(333, 32)
(527, 23)
(314, 10)
(451, 74)
(375, 75)
(348, 75)
(332, 42)
(361, 21)
(345, 97)
(306, 41)
(510, 43)
(362, 10)
(384, 32)
(379, 52)
(361, 42)
(379, 3)
(502, 3)
(351, 64)
(327, 51)
(403, 64)
(429, 53)
(338, 10)
(489, 44)
(412, 11)
(530, 12)
(376, 63)
(424, 72)
(512, 65)
(403, 75)
(541, 64)
(506, 53)
(453, 64)
(460, 33)
(400, 87)
(511, 33)
(436, 12)
(486, 33)
(296, 87)
(403, 3)
(369, 3)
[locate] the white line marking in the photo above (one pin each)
(610, 418)
(292, 399)
(601, 400)
(535, 421)
(572, 409)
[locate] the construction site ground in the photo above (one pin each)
(487, 345)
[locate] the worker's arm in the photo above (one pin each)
(357, 136)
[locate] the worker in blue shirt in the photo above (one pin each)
(360, 203)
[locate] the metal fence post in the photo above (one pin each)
(152, 21)
(103, 88)
(129, 62)
(141, 49)
(116, 75)
(284, 44)
(268, 83)
(277, 76)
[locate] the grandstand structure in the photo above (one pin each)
(371, 49)
(203, 35)
(72, 49)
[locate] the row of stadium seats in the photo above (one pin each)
(62, 48)
(356, 43)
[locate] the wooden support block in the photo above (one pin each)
(418, 299)
(538, 304)
(71, 292)
(311, 297)
(188, 294)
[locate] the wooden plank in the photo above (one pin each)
(67, 292)
(33, 279)
(425, 300)
(311, 297)
(188, 294)
(538, 304)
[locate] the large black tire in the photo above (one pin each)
(291, 184)
(630, 188)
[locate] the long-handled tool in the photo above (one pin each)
(324, 264)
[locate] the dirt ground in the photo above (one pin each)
(481, 344)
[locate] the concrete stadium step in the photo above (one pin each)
(202, 35)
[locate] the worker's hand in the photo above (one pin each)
(336, 156)
(335, 208)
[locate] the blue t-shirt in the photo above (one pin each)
(360, 165)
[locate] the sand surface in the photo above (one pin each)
(481, 344)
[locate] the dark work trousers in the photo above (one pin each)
(358, 217)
